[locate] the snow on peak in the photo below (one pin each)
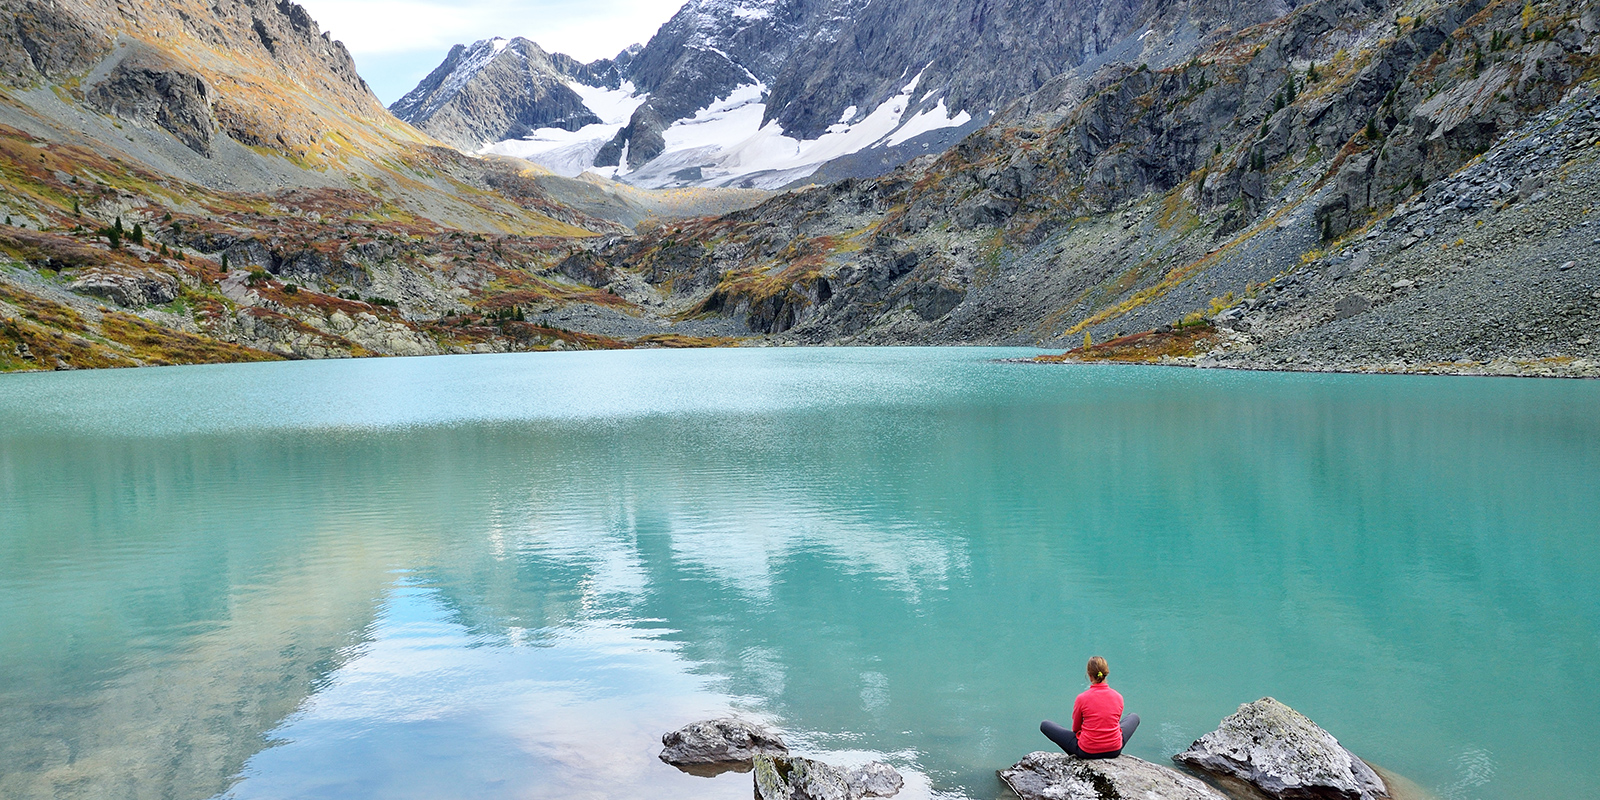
(726, 143)
(422, 102)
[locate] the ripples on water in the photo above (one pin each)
(507, 576)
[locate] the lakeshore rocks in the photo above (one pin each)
(1279, 751)
(875, 779)
(719, 741)
(786, 778)
(1057, 776)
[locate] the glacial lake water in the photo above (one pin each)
(506, 576)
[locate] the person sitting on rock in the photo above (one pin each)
(1099, 728)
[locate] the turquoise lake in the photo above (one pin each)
(507, 576)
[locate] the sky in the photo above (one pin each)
(396, 43)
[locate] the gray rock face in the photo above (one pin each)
(782, 778)
(148, 88)
(39, 38)
(495, 90)
(1279, 751)
(719, 741)
(1057, 776)
(144, 288)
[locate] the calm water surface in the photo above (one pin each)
(506, 576)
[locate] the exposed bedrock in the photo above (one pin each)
(147, 88)
(39, 38)
(1279, 751)
(146, 287)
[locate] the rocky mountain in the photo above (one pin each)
(502, 89)
(772, 92)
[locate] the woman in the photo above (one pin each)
(1099, 728)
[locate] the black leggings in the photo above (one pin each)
(1068, 741)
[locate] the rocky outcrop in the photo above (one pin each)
(783, 778)
(133, 288)
(719, 741)
(148, 88)
(1279, 751)
(1057, 776)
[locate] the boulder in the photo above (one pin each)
(1058, 776)
(789, 778)
(874, 779)
(719, 741)
(1285, 755)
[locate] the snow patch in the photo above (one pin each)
(570, 153)
(931, 120)
(725, 144)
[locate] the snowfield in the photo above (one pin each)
(725, 143)
(571, 153)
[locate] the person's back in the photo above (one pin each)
(1099, 728)
(1097, 719)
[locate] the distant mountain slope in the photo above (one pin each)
(770, 92)
(500, 89)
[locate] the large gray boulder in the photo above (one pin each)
(1057, 776)
(788, 778)
(1279, 751)
(719, 741)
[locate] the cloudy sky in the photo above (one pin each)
(398, 42)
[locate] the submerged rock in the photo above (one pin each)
(719, 741)
(786, 778)
(1279, 751)
(1058, 776)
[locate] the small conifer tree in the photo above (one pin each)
(1088, 340)
(138, 234)
(224, 262)
(76, 210)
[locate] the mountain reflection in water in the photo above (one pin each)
(506, 577)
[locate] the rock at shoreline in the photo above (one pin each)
(874, 779)
(719, 741)
(1279, 751)
(1058, 776)
(785, 778)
